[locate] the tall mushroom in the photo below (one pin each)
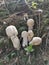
(36, 41)
(39, 13)
(30, 24)
(12, 33)
(30, 35)
(24, 35)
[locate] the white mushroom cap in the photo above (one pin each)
(30, 22)
(24, 34)
(11, 30)
(40, 10)
(30, 35)
(36, 41)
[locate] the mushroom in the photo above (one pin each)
(4, 22)
(24, 35)
(30, 24)
(36, 41)
(39, 13)
(25, 16)
(30, 35)
(12, 33)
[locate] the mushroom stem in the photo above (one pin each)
(16, 42)
(24, 42)
(24, 35)
(39, 25)
(30, 28)
(30, 35)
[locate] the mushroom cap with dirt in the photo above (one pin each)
(11, 30)
(36, 41)
(30, 35)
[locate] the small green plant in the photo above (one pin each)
(34, 5)
(29, 49)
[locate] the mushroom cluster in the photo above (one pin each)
(28, 36)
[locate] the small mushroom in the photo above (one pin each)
(30, 24)
(36, 41)
(40, 10)
(12, 33)
(4, 22)
(30, 35)
(39, 13)
(24, 35)
(25, 16)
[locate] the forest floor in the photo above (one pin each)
(40, 57)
